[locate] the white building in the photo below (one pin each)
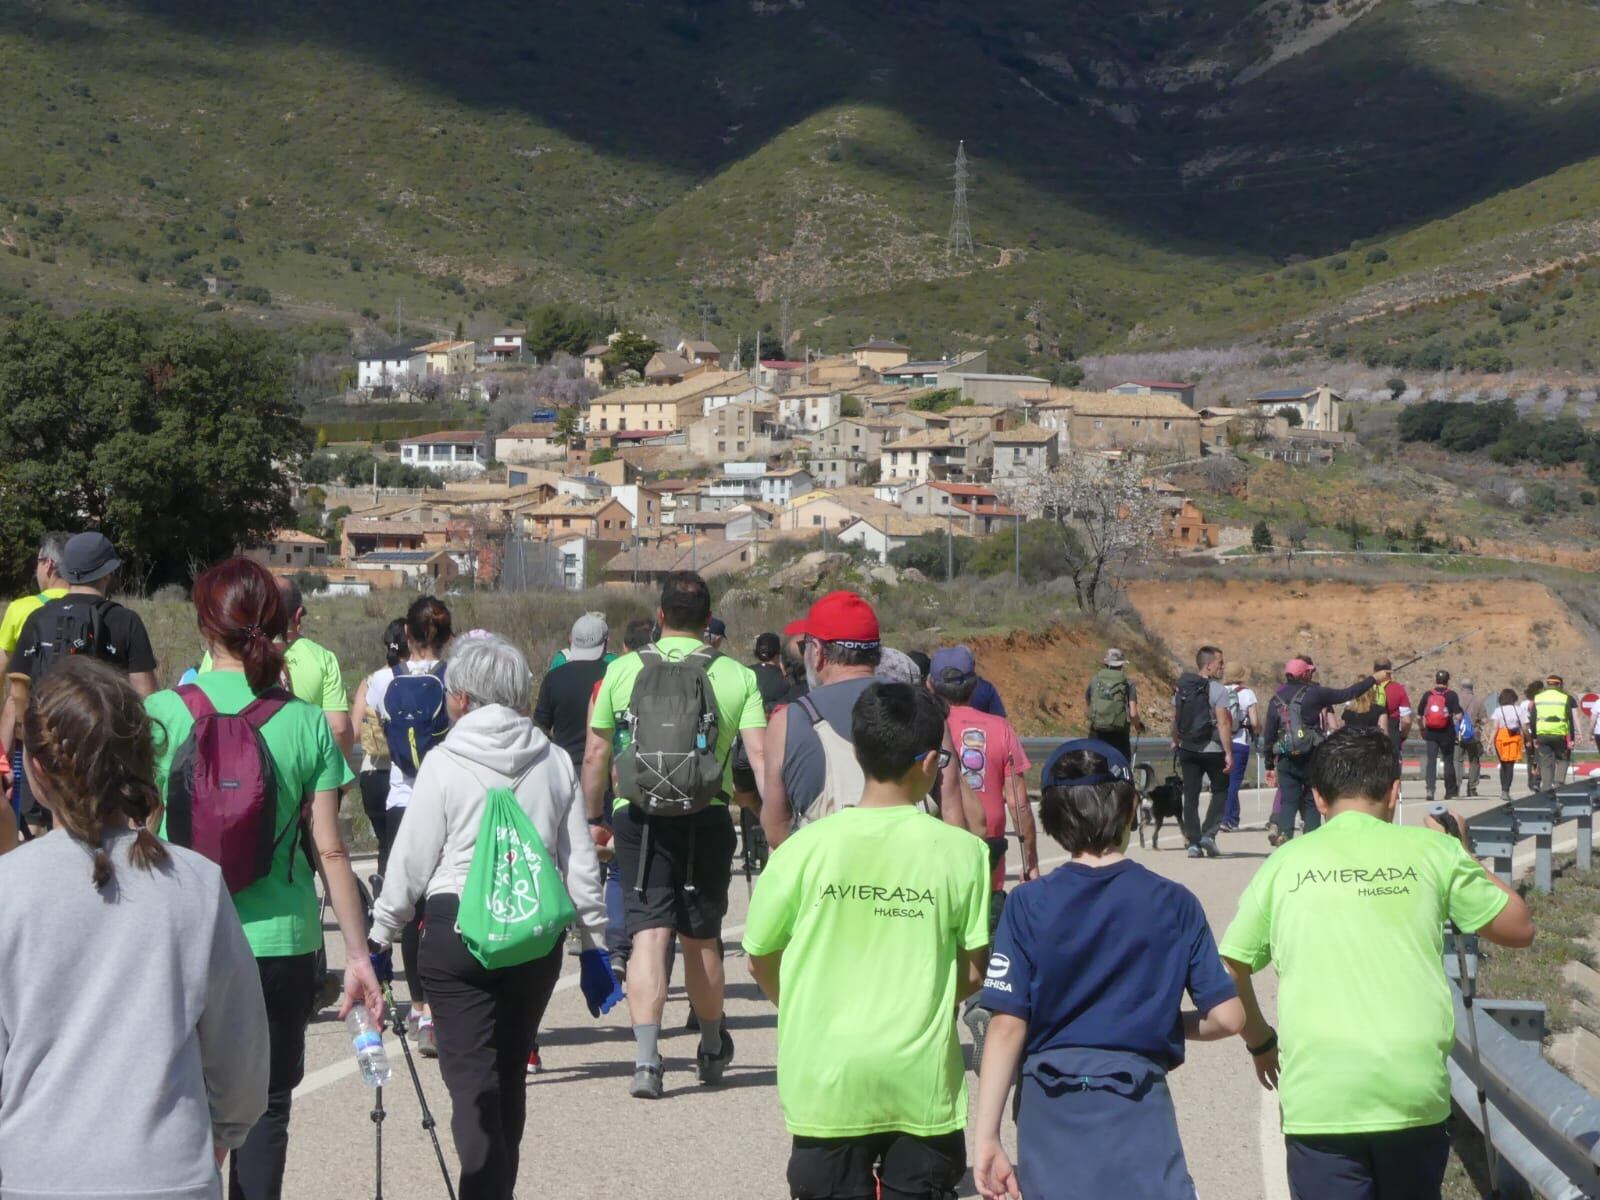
(780, 487)
(390, 367)
(810, 409)
(529, 443)
(450, 452)
(1319, 408)
(1024, 451)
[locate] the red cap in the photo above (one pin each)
(841, 617)
(794, 629)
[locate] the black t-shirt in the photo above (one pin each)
(562, 709)
(125, 642)
(772, 683)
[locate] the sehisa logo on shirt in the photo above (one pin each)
(1374, 881)
(999, 968)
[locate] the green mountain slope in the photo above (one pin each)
(1139, 169)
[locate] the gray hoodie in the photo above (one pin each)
(490, 747)
(132, 1028)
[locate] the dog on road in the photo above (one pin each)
(1158, 805)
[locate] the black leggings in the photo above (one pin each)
(375, 802)
(486, 1022)
(255, 1169)
(411, 935)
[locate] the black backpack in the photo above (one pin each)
(1196, 719)
(68, 626)
(1296, 739)
(670, 767)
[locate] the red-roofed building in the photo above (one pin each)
(1157, 387)
(450, 451)
(974, 508)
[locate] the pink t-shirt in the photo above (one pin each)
(988, 753)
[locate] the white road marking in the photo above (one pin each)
(1274, 1173)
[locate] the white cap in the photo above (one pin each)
(589, 633)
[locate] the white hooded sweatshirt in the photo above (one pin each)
(490, 747)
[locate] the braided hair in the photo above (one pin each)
(92, 746)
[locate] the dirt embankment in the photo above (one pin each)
(1043, 676)
(1517, 631)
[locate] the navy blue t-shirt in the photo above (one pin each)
(1100, 957)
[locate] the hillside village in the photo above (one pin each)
(699, 463)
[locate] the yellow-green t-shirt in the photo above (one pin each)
(279, 915)
(1353, 916)
(18, 611)
(314, 675)
(733, 685)
(871, 908)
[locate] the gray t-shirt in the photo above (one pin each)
(138, 1010)
(804, 771)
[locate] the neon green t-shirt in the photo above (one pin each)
(871, 907)
(18, 611)
(733, 685)
(1353, 918)
(314, 675)
(279, 914)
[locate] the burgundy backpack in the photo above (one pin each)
(222, 790)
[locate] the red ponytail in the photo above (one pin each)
(240, 607)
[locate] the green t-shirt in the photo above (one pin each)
(559, 658)
(1353, 917)
(733, 685)
(314, 675)
(19, 610)
(871, 907)
(279, 916)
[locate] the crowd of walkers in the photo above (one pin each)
(174, 840)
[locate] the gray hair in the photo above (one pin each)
(53, 545)
(490, 670)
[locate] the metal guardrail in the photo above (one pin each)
(1495, 832)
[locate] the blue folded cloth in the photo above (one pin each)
(600, 987)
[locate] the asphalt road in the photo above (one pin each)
(587, 1140)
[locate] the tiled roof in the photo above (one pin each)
(1024, 434)
(537, 429)
(1167, 384)
(445, 435)
(297, 537)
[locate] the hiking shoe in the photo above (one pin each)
(977, 1020)
(427, 1043)
(646, 1083)
(1208, 847)
(1276, 838)
(534, 1065)
(1195, 852)
(708, 1068)
(1230, 827)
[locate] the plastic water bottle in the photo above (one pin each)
(370, 1054)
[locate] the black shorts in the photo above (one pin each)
(688, 866)
(1354, 1166)
(909, 1167)
(744, 776)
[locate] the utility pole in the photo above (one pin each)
(1016, 526)
(959, 244)
(949, 546)
(705, 314)
(783, 326)
(399, 323)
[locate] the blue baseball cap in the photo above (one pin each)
(1118, 769)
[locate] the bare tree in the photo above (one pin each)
(1116, 520)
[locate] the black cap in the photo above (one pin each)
(1441, 676)
(716, 628)
(89, 557)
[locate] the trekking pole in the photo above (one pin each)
(1469, 989)
(1437, 649)
(398, 1024)
(377, 1125)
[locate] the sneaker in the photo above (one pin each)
(977, 1020)
(1276, 838)
(1230, 827)
(708, 1068)
(534, 1065)
(427, 1043)
(1195, 852)
(646, 1082)
(1208, 846)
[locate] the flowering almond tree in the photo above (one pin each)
(1114, 519)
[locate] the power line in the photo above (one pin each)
(959, 243)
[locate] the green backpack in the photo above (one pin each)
(515, 906)
(1108, 701)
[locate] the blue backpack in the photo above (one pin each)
(416, 720)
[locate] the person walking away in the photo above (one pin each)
(770, 679)
(1396, 703)
(241, 618)
(409, 699)
(313, 671)
(50, 586)
(1112, 703)
(1441, 710)
(987, 699)
(1366, 711)
(1293, 730)
(82, 622)
(1508, 731)
(794, 661)
(675, 868)
(159, 1042)
(640, 631)
(1351, 919)
(1086, 987)
(1471, 728)
(1202, 738)
(487, 1018)
(1244, 709)
(1532, 748)
(871, 1078)
(1555, 728)
(716, 633)
(373, 778)
(582, 651)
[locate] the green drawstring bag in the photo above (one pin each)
(515, 905)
